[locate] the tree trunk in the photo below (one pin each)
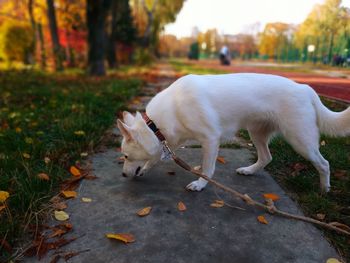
(330, 49)
(96, 19)
(112, 38)
(57, 51)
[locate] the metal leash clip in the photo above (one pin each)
(167, 153)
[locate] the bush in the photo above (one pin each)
(17, 42)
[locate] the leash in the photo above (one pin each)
(269, 207)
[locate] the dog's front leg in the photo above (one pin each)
(210, 150)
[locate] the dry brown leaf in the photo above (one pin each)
(262, 220)
(60, 206)
(69, 194)
(221, 159)
(297, 167)
(181, 206)
(144, 211)
(320, 216)
(43, 176)
(218, 204)
(61, 215)
(340, 174)
(273, 197)
(74, 171)
(126, 238)
(57, 233)
(2, 207)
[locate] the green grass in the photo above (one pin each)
(304, 185)
(53, 116)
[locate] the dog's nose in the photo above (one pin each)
(137, 170)
(124, 175)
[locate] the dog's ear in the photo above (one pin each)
(125, 130)
(128, 118)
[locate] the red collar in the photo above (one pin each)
(153, 127)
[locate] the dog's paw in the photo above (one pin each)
(197, 185)
(245, 170)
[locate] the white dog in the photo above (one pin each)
(212, 108)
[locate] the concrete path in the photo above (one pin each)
(199, 234)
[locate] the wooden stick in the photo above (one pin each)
(246, 198)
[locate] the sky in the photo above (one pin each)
(237, 16)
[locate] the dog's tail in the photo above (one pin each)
(331, 123)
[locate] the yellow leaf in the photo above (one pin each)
(333, 260)
(43, 176)
(271, 196)
(69, 194)
(3, 196)
(144, 211)
(217, 204)
(262, 220)
(181, 206)
(2, 207)
(79, 133)
(18, 130)
(61, 215)
(28, 140)
(126, 238)
(26, 155)
(74, 171)
(86, 199)
(221, 159)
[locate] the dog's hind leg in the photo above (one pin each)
(306, 143)
(210, 149)
(260, 138)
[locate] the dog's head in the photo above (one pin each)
(140, 146)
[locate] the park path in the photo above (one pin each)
(334, 84)
(198, 235)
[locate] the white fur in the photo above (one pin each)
(212, 108)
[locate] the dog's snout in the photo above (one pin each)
(124, 175)
(137, 170)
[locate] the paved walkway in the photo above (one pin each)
(199, 234)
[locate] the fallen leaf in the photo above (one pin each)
(26, 155)
(217, 204)
(126, 238)
(323, 143)
(221, 159)
(340, 174)
(47, 160)
(4, 244)
(57, 233)
(79, 133)
(86, 199)
(181, 206)
(299, 167)
(61, 215)
(250, 144)
(84, 154)
(333, 260)
(60, 206)
(144, 211)
(197, 168)
(2, 207)
(262, 220)
(3, 196)
(320, 216)
(69, 194)
(273, 197)
(43, 176)
(74, 171)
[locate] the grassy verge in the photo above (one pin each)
(300, 179)
(46, 123)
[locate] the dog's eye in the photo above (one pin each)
(125, 156)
